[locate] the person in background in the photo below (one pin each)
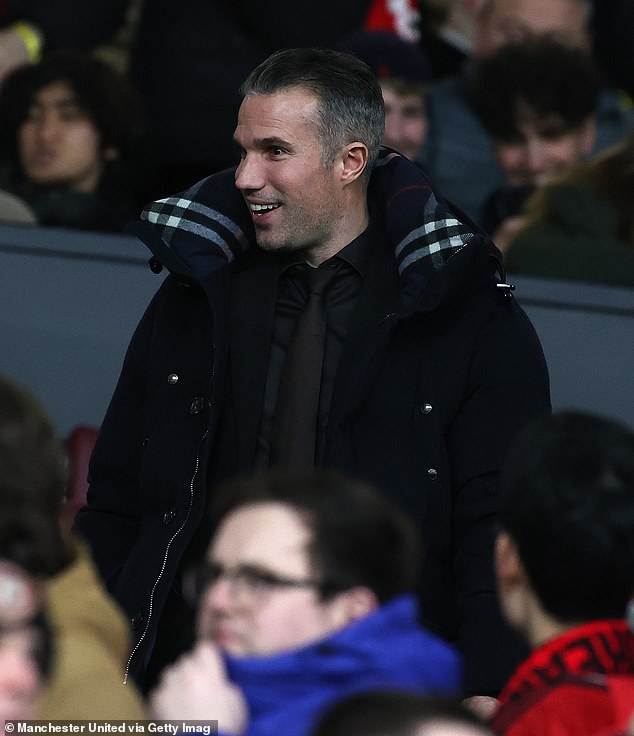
(581, 226)
(395, 713)
(25, 637)
(402, 70)
(565, 566)
(71, 142)
(537, 99)
(458, 153)
(90, 638)
(306, 596)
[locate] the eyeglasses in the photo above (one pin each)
(248, 583)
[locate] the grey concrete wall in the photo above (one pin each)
(69, 302)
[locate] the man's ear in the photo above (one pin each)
(352, 605)
(354, 159)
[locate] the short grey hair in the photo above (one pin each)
(350, 101)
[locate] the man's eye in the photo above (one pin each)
(277, 151)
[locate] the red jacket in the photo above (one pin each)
(578, 684)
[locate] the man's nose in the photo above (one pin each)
(249, 174)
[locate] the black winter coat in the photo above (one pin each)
(440, 369)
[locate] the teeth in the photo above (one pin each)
(263, 207)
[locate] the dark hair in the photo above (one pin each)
(32, 480)
(359, 538)
(393, 713)
(568, 504)
(540, 75)
(350, 103)
(106, 96)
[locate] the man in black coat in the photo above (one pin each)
(430, 367)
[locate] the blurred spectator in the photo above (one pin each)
(537, 100)
(25, 647)
(71, 132)
(90, 637)
(402, 70)
(458, 152)
(447, 31)
(392, 713)
(565, 567)
(307, 596)
(582, 226)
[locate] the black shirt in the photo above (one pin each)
(340, 299)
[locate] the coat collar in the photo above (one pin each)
(208, 228)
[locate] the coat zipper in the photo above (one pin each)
(169, 544)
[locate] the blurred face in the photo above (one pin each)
(543, 149)
(20, 679)
(405, 122)
(506, 21)
(295, 199)
(245, 612)
(58, 143)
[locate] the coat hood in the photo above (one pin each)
(438, 252)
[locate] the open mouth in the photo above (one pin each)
(262, 209)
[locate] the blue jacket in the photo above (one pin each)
(387, 649)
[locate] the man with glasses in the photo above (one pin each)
(306, 596)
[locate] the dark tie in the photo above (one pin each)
(295, 425)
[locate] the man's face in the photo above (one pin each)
(58, 142)
(246, 620)
(508, 21)
(405, 122)
(295, 200)
(543, 149)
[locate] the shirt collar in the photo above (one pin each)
(356, 254)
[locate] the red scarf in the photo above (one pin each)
(599, 647)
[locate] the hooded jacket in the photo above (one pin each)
(286, 693)
(439, 370)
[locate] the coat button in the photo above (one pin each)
(169, 516)
(137, 621)
(172, 378)
(432, 474)
(196, 405)
(426, 408)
